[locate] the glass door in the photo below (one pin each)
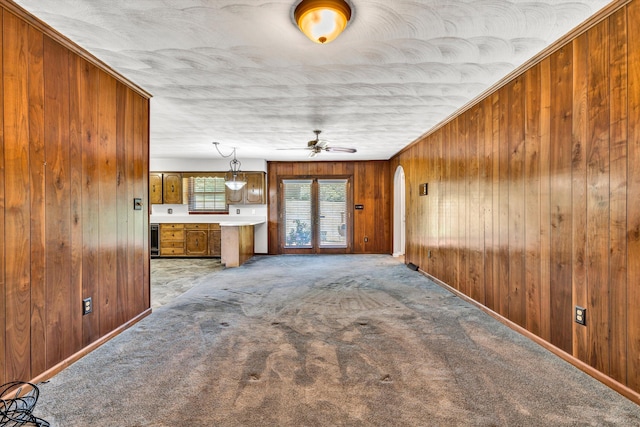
(332, 213)
(298, 213)
(315, 216)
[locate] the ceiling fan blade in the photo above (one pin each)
(340, 149)
(313, 154)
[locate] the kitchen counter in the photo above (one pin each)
(237, 232)
(223, 220)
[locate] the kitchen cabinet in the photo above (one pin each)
(197, 239)
(155, 188)
(191, 240)
(214, 240)
(252, 193)
(172, 238)
(255, 189)
(172, 188)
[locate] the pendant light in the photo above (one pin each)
(234, 183)
(322, 20)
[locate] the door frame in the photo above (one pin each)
(315, 249)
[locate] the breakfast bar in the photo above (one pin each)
(229, 237)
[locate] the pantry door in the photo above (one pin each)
(315, 217)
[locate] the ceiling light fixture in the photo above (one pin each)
(234, 183)
(322, 20)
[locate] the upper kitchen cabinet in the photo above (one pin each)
(155, 188)
(172, 188)
(255, 189)
(253, 193)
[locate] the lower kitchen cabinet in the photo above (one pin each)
(191, 240)
(197, 239)
(171, 239)
(214, 240)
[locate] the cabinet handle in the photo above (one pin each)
(154, 188)
(172, 189)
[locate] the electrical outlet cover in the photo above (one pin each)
(581, 315)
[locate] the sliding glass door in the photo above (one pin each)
(315, 215)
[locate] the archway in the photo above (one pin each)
(398, 212)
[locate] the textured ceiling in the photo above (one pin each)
(240, 72)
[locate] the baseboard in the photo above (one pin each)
(588, 369)
(89, 348)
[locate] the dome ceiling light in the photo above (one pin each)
(322, 20)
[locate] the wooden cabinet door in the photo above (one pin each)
(254, 189)
(197, 242)
(155, 188)
(172, 183)
(236, 197)
(214, 242)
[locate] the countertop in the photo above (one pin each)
(223, 220)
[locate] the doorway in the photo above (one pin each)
(315, 217)
(399, 219)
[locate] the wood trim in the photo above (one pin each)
(89, 348)
(604, 379)
(69, 44)
(594, 20)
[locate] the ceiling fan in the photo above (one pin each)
(316, 146)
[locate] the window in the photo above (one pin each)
(207, 194)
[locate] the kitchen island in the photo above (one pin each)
(200, 235)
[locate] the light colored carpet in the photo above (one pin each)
(325, 341)
(171, 277)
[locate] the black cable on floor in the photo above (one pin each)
(16, 410)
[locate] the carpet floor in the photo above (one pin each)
(325, 341)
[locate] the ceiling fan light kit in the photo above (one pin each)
(322, 20)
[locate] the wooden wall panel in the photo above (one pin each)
(107, 199)
(618, 200)
(493, 249)
(515, 136)
(633, 197)
(503, 203)
(58, 190)
(3, 240)
(58, 206)
(486, 186)
(372, 188)
(17, 199)
(532, 87)
(124, 221)
(545, 199)
(597, 180)
(542, 178)
(75, 189)
(560, 195)
(579, 189)
(37, 164)
(142, 186)
(85, 88)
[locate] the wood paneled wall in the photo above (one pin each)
(371, 188)
(534, 198)
(73, 154)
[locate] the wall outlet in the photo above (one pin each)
(87, 306)
(237, 211)
(581, 315)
